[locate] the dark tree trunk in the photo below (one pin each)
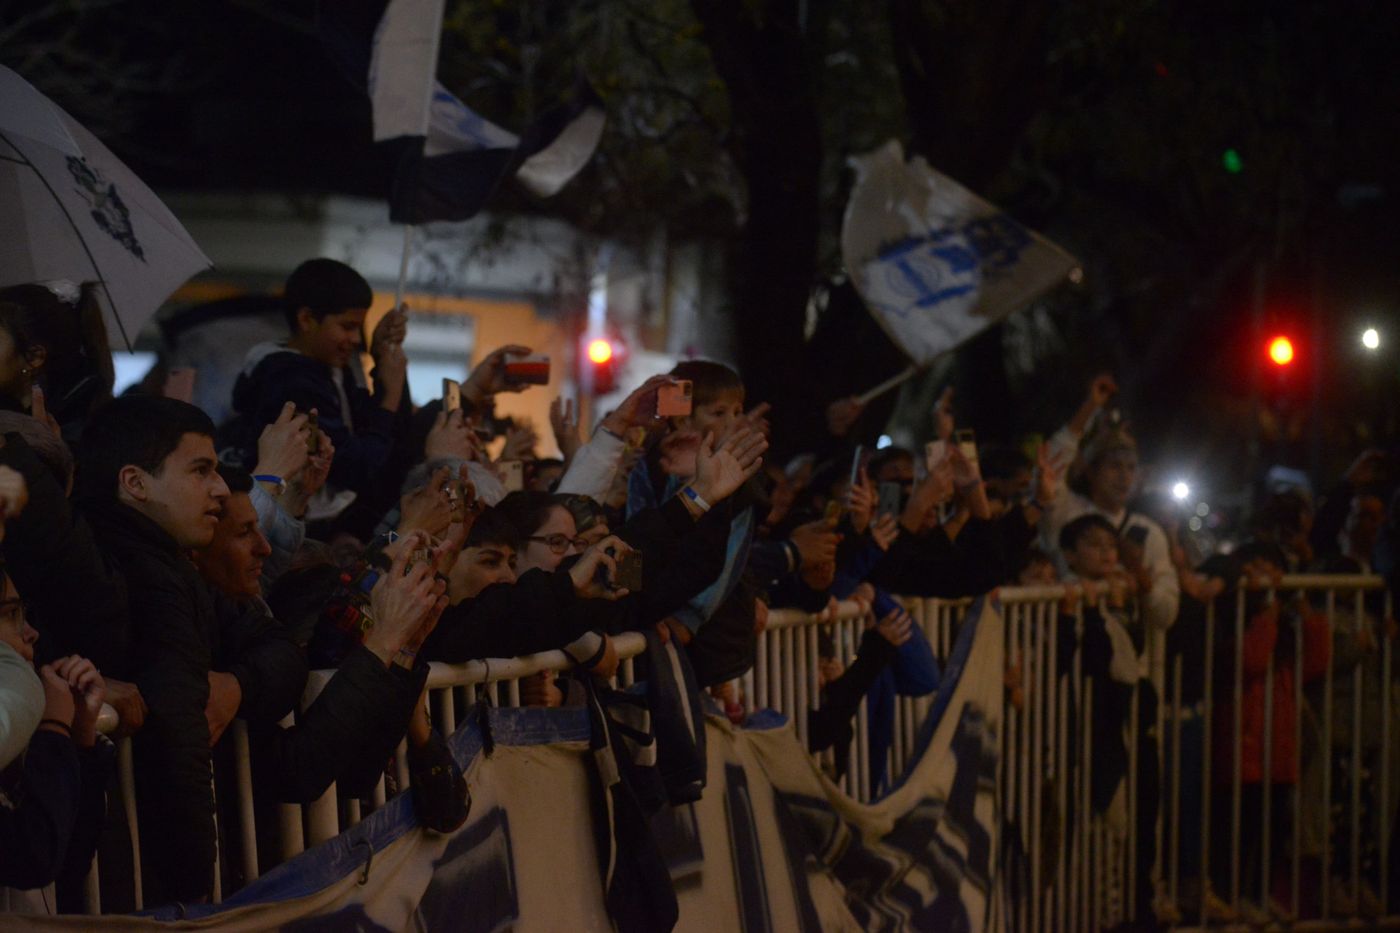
(760, 51)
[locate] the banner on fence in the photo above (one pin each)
(772, 844)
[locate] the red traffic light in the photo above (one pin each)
(1281, 351)
(600, 351)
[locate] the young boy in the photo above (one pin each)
(326, 302)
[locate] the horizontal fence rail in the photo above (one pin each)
(1190, 826)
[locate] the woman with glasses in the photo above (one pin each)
(547, 529)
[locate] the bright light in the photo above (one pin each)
(1180, 491)
(600, 351)
(884, 441)
(1371, 338)
(1281, 351)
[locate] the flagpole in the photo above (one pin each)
(893, 382)
(403, 265)
(435, 13)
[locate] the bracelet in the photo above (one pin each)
(406, 658)
(690, 493)
(277, 481)
(610, 433)
(67, 729)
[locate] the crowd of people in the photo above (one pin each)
(189, 574)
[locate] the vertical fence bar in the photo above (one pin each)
(1357, 684)
(799, 672)
(1174, 842)
(1207, 755)
(760, 671)
(248, 833)
(1130, 862)
(1387, 693)
(813, 671)
(1295, 902)
(1030, 690)
(1087, 876)
(1235, 753)
(1326, 802)
(1266, 786)
(126, 777)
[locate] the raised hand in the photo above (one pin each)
(429, 507)
(584, 572)
(391, 329)
(884, 531)
(403, 600)
(38, 410)
(129, 704)
(14, 496)
(860, 503)
(719, 471)
(489, 376)
(1047, 476)
(314, 475)
(816, 542)
(638, 409)
(58, 698)
(842, 414)
(563, 419)
(520, 442)
(282, 444)
(450, 436)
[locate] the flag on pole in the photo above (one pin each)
(934, 263)
(450, 158)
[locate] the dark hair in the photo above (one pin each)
(493, 526)
(1077, 529)
(135, 430)
(527, 510)
(324, 286)
(709, 380)
(74, 338)
(236, 478)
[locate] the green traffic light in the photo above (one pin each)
(1232, 161)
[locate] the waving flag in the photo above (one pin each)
(934, 263)
(450, 158)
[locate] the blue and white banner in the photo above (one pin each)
(772, 845)
(935, 263)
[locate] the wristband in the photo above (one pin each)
(603, 428)
(690, 493)
(406, 658)
(277, 481)
(67, 729)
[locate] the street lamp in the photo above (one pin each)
(1371, 339)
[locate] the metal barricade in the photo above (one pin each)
(1081, 867)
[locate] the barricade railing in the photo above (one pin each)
(1081, 863)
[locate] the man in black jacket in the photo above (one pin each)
(149, 485)
(354, 725)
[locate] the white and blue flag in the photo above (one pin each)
(934, 263)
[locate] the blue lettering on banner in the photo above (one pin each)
(473, 886)
(937, 846)
(944, 264)
(754, 916)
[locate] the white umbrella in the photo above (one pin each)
(69, 209)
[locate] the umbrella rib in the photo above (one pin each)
(76, 232)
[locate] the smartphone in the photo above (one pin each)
(179, 384)
(528, 370)
(313, 433)
(832, 515)
(855, 465)
(512, 475)
(891, 499)
(934, 453)
(451, 395)
(674, 400)
(967, 443)
(628, 575)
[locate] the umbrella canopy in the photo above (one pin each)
(72, 210)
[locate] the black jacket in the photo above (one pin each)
(932, 564)
(288, 376)
(536, 613)
(173, 634)
(76, 594)
(344, 736)
(53, 809)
